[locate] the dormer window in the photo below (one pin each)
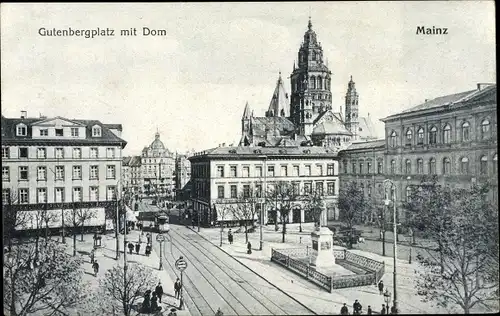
(96, 131)
(21, 130)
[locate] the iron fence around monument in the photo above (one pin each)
(290, 259)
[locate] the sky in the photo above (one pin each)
(191, 84)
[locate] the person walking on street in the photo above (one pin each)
(383, 311)
(172, 312)
(130, 247)
(92, 255)
(159, 291)
(95, 266)
(148, 250)
(154, 303)
(381, 287)
(356, 308)
(137, 248)
(369, 310)
(219, 312)
(177, 288)
(230, 236)
(393, 310)
(344, 310)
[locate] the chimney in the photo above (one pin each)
(24, 114)
(426, 100)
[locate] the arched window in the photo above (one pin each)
(369, 166)
(369, 191)
(495, 164)
(420, 136)
(465, 132)
(320, 83)
(464, 165)
(433, 135)
(483, 165)
(393, 166)
(393, 139)
(447, 134)
(361, 163)
(21, 130)
(408, 193)
(432, 166)
(345, 166)
(446, 166)
(420, 166)
(485, 129)
(312, 82)
(313, 55)
(409, 135)
(408, 166)
(354, 167)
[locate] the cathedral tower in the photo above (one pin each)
(310, 82)
(352, 109)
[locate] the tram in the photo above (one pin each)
(155, 221)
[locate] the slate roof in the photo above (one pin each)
(126, 161)
(258, 152)
(115, 126)
(331, 127)
(379, 143)
(280, 104)
(449, 100)
(135, 161)
(283, 125)
(9, 132)
(366, 128)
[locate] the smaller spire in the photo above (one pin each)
(246, 112)
(309, 25)
(351, 78)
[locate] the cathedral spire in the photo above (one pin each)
(279, 105)
(246, 111)
(309, 25)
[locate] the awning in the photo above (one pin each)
(131, 215)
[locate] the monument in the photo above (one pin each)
(322, 245)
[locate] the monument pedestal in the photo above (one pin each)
(322, 254)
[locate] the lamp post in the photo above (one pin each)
(389, 184)
(264, 190)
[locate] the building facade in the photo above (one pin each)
(453, 137)
(182, 178)
(50, 163)
(157, 169)
(307, 117)
(222, 175)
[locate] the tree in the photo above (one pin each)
(222, 211)
(352, 207)
(429, 210)
(79, 215)
(282, 196)
(124, 287)
(13, 217)
(244, 210)
(461, 272)
(50, 283)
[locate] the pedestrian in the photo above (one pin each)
(137, 248)
(140, 238)
(249, 248)
(356, 307)
(219, 312)
(92, 255)
(154, 303)
(383, 311)
(177, 288)
(381, 287)
(172, 312)
(148, 237)
(230, 236)
(146, 304)
(130, 247)
(369, 311)
(344, 310)
(159, 291)
(95, 266)
(148, 249)
(393, 310)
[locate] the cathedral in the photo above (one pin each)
(306, 116)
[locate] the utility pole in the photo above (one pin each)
(387, 202)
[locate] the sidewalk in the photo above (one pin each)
(319, 300)
(373, 233)
(106, 255)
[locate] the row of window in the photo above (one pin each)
(247, 193)
(23, 195)
(446, 135)
(258, 172)
(41, 153)
(463, 166)
(313, 83)
(369, 168)
(22, 130)
(59, 173)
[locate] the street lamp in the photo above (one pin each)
(264, 190)
(389, 184)
(161, 238)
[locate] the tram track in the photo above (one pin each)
(265, 306)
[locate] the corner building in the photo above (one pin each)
(220, 174)
(50, 163)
